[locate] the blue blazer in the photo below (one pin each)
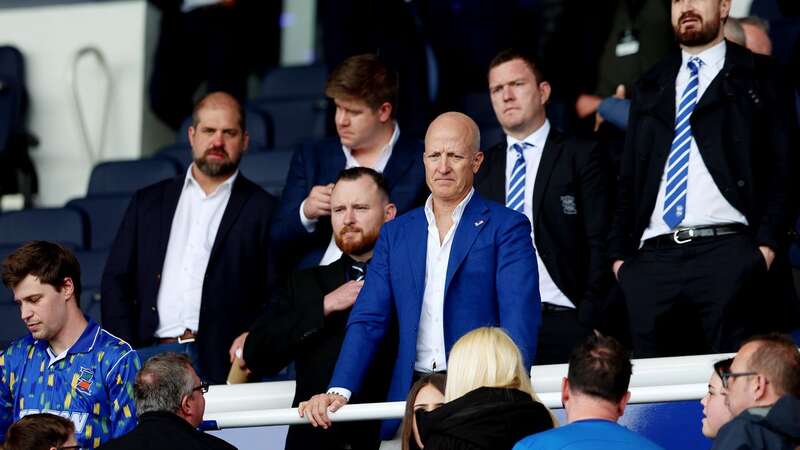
(492, 280)
(319, 163)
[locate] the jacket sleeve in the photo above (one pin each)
(594, 169)
(287, 227)
(119, 287)
(369, 320)
(280, 333)
(517, 284)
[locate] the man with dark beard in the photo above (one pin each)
(307, 321)
(704, 201)
(191, 263)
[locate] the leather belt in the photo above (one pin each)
(187, 337)
(683, 236)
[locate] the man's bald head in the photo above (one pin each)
(464, 125)
(218, 100)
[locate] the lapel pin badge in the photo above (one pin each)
(479, 223)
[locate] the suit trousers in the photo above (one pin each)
(559, 334)
(699, 297)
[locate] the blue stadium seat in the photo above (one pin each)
(268, 170)
(179, 154)
(294, 81)
(128, 176)
(11, 326)
(257, 128)
(293, 121)
(103, 214)
(491, 136)
(478, 106)
(92, 266)
(66, 226)
(672, 425)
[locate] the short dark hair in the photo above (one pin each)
(777, 358)
(354, 173)
(367, 78)
(202, 103)
(511, 54)
(600, 367)
(51, 263)
(38, 432)
(162, 383)
(720, 367)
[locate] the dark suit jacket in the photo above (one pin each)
(165, 430)
(571, 214)
(236, 280)
(744, 126)
(319, 163)
(295, 329)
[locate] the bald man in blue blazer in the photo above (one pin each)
(456, 264)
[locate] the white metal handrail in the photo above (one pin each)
(261, 404)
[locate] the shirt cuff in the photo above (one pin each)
(340, 391)
(309, 224)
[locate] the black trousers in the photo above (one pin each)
(559, 333)
(702, 297)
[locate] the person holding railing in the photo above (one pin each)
(457, 264)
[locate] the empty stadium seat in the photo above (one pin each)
(268, 169)
(103, 215)
(128, 176)
(63, 225)
(294, 81)
(256, 125)
(92, 266)
(478, 106)
(179, 154)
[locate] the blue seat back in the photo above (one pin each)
(92, 266)
(294, 120)
(128, 176)
(62, 225)
(294, 82)
(104, 215)
(179, 154)
(267, 169)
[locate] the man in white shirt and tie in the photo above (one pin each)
(562, 184)
(703, 208)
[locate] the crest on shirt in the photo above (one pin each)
(85, 381)
(568, 205)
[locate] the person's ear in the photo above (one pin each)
(476, 163)
(186, 405)
(623, 403)
(564, 391)
(389, 212)
(385, 112)
(545, 90)
(67, 288)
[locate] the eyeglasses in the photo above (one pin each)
(728, 375)
(202, 388)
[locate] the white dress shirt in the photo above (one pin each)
(549, 292)
(431, 353)
(191, 237)
(333, 253)
(705, 204)
(189, 5)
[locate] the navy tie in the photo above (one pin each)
(678, 160)
(515, 195)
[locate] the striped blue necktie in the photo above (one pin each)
(515, 195)
(678, 160)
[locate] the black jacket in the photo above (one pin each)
(745, 129)
(295, 328)
(571, 214)
(236, 279)
(486, 418)
(774, 428)
(163, 430)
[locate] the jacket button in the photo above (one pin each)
(740, 183)
(158, 276)
(153, 308)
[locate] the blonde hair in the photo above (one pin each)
(485, 357)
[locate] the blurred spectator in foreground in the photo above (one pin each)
(489, 399)
(594, 395)
(762, 390)
(170, 405)
(425, 395)
(41, 432)
(715, 411)
(734, 32)
(756, 31)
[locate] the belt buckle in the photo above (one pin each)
(190, 339)
(680, 241)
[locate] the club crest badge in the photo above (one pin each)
(568, 205)
(85, 381)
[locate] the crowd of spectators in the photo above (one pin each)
(659, 221)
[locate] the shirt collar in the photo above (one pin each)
(537, 138)
(190, 180)
(85, 342)
(458, 211)
(352, 162)
(712, 57)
